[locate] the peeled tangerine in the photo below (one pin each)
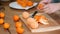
(18, 24)
(31, 20)
(20, 30)
(1, 21)
(6, 25)
(2, 15)
(25, 14)
(32, 23)
(43, 20)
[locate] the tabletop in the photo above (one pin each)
(9, 12)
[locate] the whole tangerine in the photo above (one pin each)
(18, 24)
(20, 30)
(6, 25)
(29, 3)
(16, 17)
(2, 15)
(1, 21)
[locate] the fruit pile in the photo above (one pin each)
(5, 25)
(18, 25)
(25, 3)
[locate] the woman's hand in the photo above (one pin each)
(42, 3)
(51, 8)
(48, 7)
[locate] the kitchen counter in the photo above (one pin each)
(9, 12)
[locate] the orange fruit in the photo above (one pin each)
(40, 6)
(25, 0)
(1, 21)
(18, 24)
(2, 15)
(23, 4)
(29, 3)
(16, 17)
(20, 30)
(6, 25)
(37, 17)
(19, 2)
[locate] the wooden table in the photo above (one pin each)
(9, 12)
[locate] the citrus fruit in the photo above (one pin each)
(18, 24)
(6, 25)
(41, 6)
(20, 30)
(1, 21)
(16, 17)
(29, 3)
(2, 15)
(25, 14)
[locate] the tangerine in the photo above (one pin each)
(40, 6)
(16, 17)
(29, 3)
(18, 24)
(23, 4)
(37, 17)
(20, 30)
(2, 15)
(1, 21)
(6, 25)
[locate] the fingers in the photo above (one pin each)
(38, 8)
(47, 9)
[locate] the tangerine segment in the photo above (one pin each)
(1, 21)
(43, 17)
(25, 14)
(6, 25)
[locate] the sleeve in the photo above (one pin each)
(55, 1)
